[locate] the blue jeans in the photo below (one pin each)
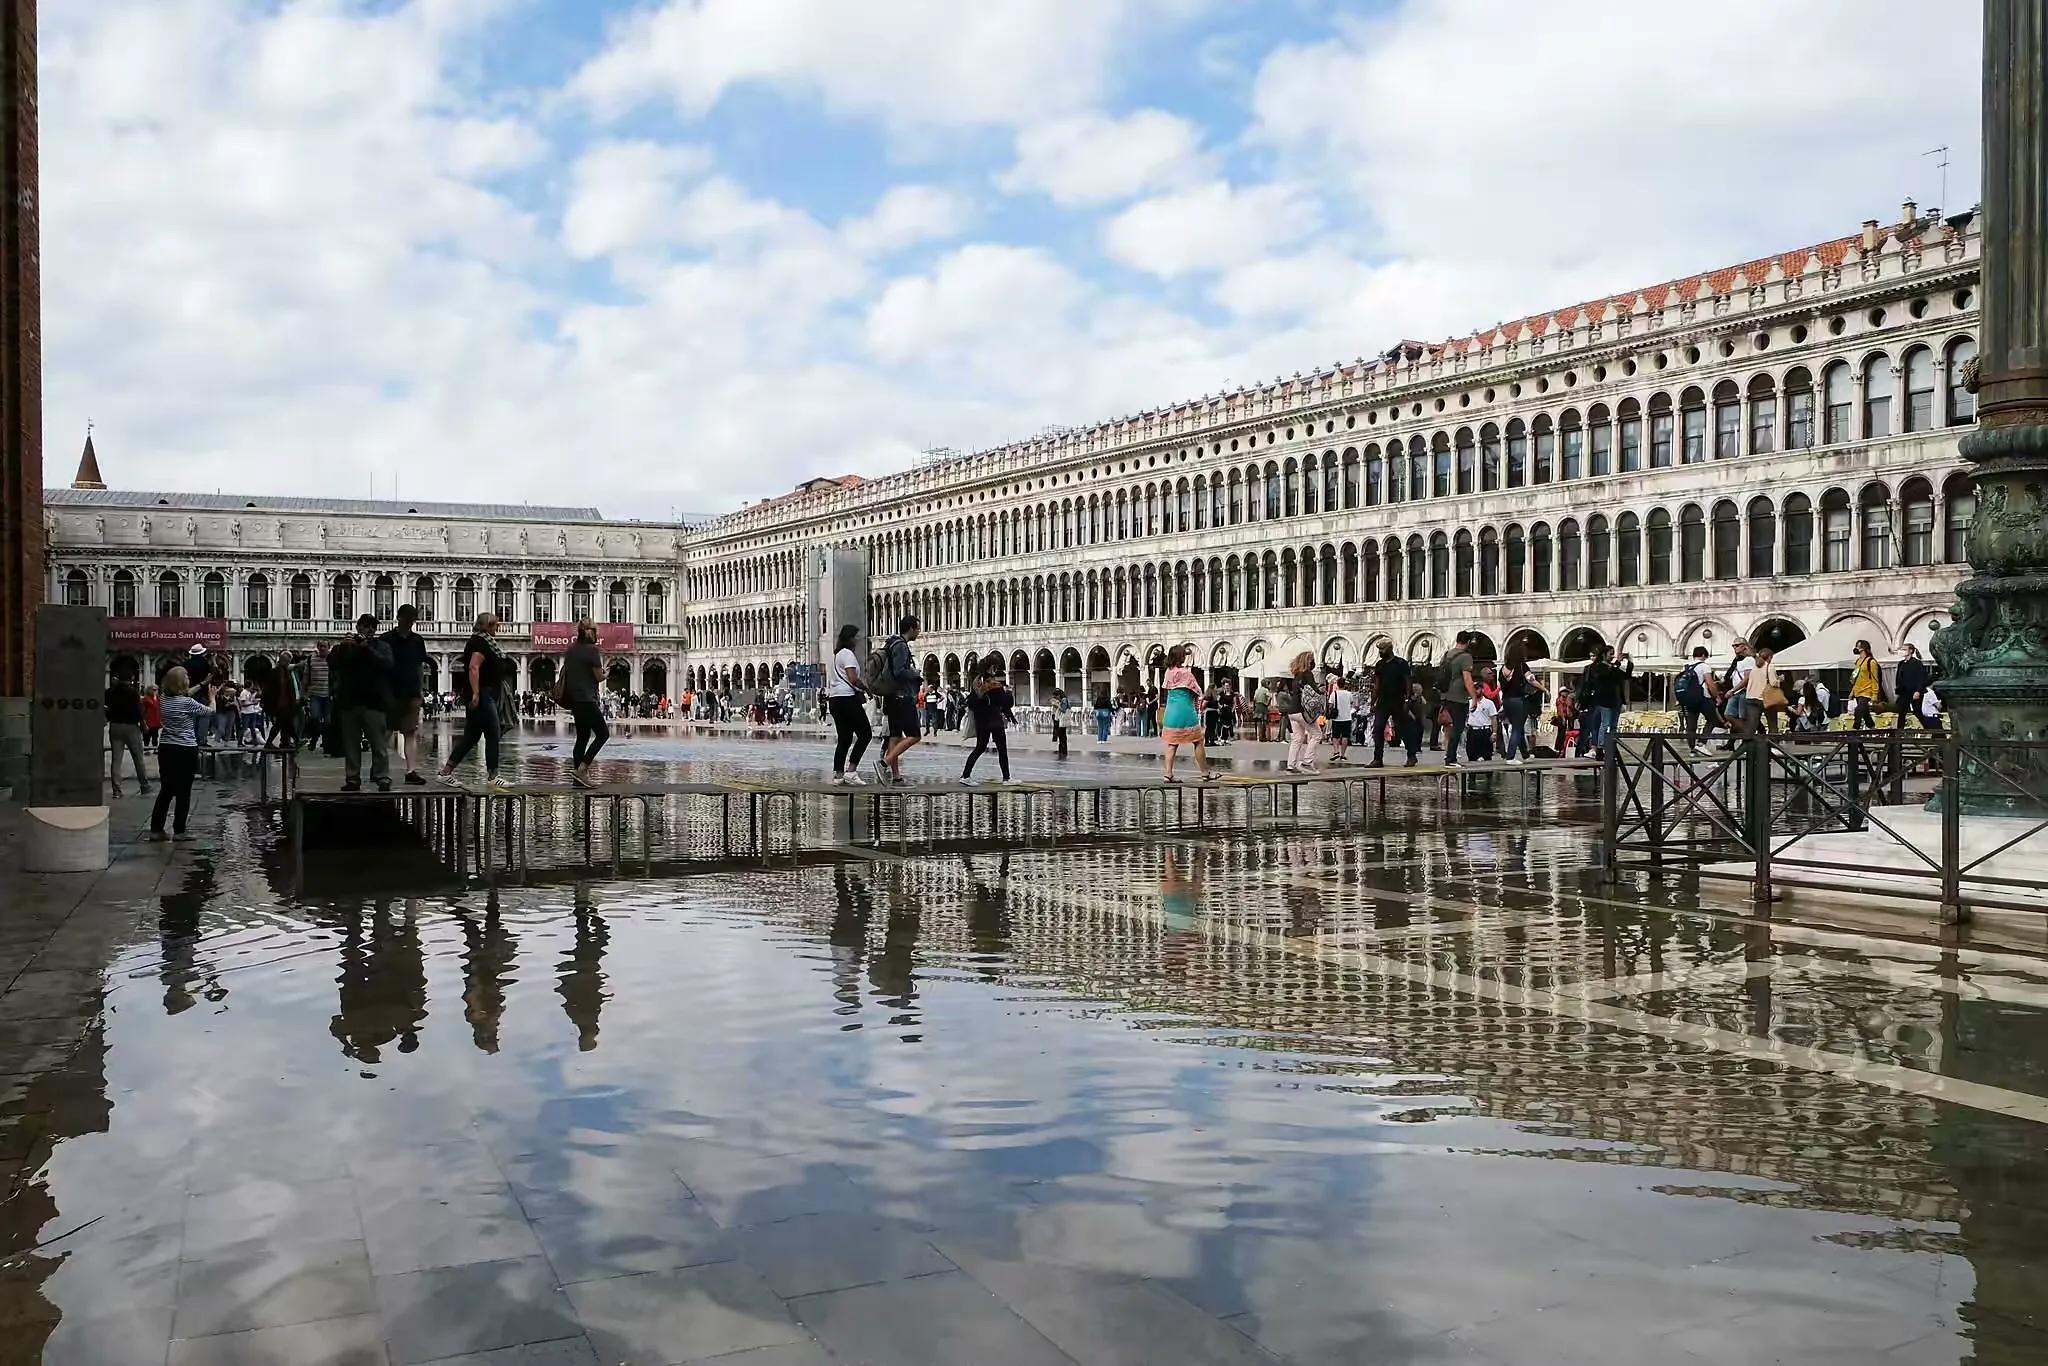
(1103, 716)
(1599, 728)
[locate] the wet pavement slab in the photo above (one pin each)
(1420, 1090)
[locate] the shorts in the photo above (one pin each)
(1341, 731)
(405, 715)
(901, 713)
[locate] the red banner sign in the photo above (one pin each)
(166, 634)
(560, 635)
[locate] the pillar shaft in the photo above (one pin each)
(21, 375)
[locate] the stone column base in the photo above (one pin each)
(65, 839)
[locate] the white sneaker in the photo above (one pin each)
(966, 781)
(445, 777)
(837, 780)
(852, 779)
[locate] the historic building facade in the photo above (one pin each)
(276, 573)
(1766, 450)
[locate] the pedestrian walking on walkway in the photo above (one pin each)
(899, 705)
(362, 701)
(1696, 700)
(580, 682)
(1909, 684)
(124, 733)
(1303, 704)
(177, 754)
(484, 670)
(1519, 695)
(408, 662)
(1182, 722)
(1602, 688)
(1392, 681)
(991, 705)
(845, 698)
(1459, 688)
(1865, 688)
(1340, 713)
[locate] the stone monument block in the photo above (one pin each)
(67, 720)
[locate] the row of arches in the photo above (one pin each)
(297, 597)
(746, 627)
(1792, 408)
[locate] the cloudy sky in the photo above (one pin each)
(669, 255)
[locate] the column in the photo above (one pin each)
(1997, 651)
(21, 399)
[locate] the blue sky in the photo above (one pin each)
(671, 255)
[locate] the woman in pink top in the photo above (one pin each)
(1182, 723)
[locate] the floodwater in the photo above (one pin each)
(1420, 1091)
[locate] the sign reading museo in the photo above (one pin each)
(560, 635)
(168, 634)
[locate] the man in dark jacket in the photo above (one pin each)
(1391, 677)
(1602, 688)
(1909, 686)
(360, 668)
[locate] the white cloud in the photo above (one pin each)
(1210, 227)
(907, 215)
(910, 63)
(1094, 159)
(627, 194)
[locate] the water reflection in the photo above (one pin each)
(489, 950)
(382, 985)
(579, 980)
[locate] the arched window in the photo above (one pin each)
(465, 599)
(124, 594)
(1919, 368)
(423, 598)
(213, 596)
(1568, 555)
(1798, 534)
(1418, 469)
(1219, 509)
(1329, 481)
(1418, 569)
(1962, 404)
(1440, 465)
(1571, 440)
(1328, 592)
(1369, 558)
(1916, 538)
(1489, 562)
(1236, 499)
(1273, 500)
(1877, 396)
(1375, 476)
(1489, 458)
(1599, 553)
(1462, 564)
(1200, 503)
(1439, 565)
(1269, 596)
(1799, 428)
(1394, 577)
(1835, 531)
(1763, 416)
(170, 595)
(1518, 454)
(1350, 477)
(1630, 420)
(1290, 483)
(544, 601)
(504, 602)
(1959, 504)
(1468, 462)
(1876, 509)
(1311, 487)
(1539, 558)
(1838, 412)
(1546, 449)
(1727, 420)
(1661, 431)
(1628, 547)
(1763, 538)
(580, 594)
(1692, 543)
(1518, 559)
(77, 589)
(1151, 510)
(302, 597)
(1660, 546)
(1600, 440)
(257, 596)
(1727, 540)
(1693, 411)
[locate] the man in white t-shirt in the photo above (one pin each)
(1734, 683)
(1698, 698)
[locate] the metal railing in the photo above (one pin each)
(1744, 810)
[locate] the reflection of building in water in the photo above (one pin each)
(488, 956)
(580, 978)
(382, 984)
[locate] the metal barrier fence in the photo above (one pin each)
(1742, 811)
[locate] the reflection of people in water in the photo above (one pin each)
(383, 983)
(178, 935)
(988, 917)
(849, 938)
(1177, 892)
(580, 979)
(487, 957)
(890, 974)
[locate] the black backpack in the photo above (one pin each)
(1690, 689)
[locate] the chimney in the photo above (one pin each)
(1909, 213)
(1869, 236)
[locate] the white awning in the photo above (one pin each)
(1832, 647)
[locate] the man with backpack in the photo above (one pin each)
(892, 674)
(1696, 699)
(1734, 684)
(1458, 688)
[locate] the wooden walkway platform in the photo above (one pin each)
(466, 824)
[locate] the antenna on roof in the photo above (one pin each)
(1942, 152)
